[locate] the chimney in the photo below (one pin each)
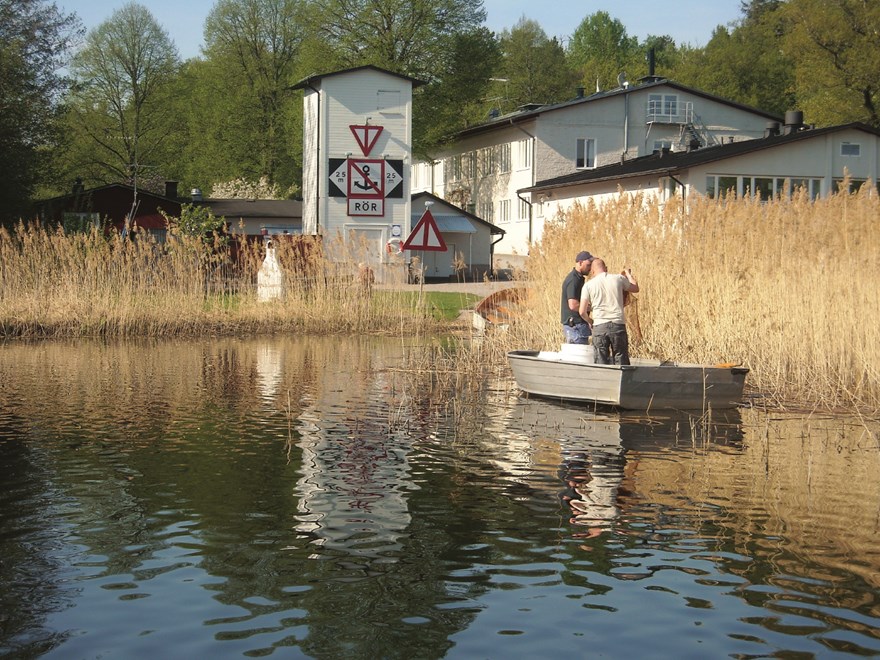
(771, 128)
(580, 92)
(196, 194)
(171, 189)
(794, 121)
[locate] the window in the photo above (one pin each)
(504, 158)
(662, 107)
(850, 149)
(388, 100)
(487, 161)
(523, 210)
(524, 154)
(764, 186)
(585, 154)
(486, 211)
(538, 208)
(452, 169)
(760, 186)
(660, 145)
(504, 210)
(469, 164)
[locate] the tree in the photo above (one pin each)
(834, 46)
(534, 68)
(119, 110)
(457, 97)
(249, 121)
(600, 50)
(404, 36)
(745, 63)
(35, 38)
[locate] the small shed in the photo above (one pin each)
(470, 241)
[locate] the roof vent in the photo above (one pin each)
(771, 129)
(196, 194)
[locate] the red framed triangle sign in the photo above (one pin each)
(366, 136)
(425, 235)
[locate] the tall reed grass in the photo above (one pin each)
(55, 284)
(785, 287)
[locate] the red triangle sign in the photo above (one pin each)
(366, 136)
(425, 235)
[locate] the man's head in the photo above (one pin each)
(598, 266)
(582, 262)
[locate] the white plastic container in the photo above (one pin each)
(578, 353)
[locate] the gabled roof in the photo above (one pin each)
(530, 112)
(122, 186)
(664, 163)
(428, 197)
(311, 80)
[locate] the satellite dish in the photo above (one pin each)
(621, 79)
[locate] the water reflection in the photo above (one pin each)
(235, 497)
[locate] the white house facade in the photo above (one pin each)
(489, 168)
(818, 159)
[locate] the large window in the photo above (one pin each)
(585, 154)
(662, 107)
(524, 154)
(504, 158)
(486, 211)
(504, 210)
(764, 186)
(850, 149)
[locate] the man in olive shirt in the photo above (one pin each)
(603, 298)
(575, 327)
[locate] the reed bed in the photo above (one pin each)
(57, 284)
(784, 287)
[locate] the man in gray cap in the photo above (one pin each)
(574, 327)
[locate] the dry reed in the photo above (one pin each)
(782, 287)
(55, 284)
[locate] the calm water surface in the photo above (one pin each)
(313, 497)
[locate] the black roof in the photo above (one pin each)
(254, 208)
(670, 162)
(309, 81)
(531, 111)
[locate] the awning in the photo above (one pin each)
(453, 224)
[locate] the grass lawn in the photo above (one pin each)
(444, 305)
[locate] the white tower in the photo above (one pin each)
(357, 156)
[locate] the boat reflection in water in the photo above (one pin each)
(598, 452)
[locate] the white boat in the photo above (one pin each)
(572, 375)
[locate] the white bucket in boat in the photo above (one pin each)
(578, 353)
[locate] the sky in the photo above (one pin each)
(686, 21)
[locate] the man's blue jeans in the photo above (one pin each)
(611, 343)
(576, 334)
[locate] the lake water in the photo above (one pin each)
(314, 497)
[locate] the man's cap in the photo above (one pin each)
(583, 256)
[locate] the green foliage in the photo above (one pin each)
(34, 41)
(457, 97)
(600, 50)
(534, 67)
(198, 221)
(119, 113)
(835, 51)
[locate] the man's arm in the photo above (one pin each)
(633, 285)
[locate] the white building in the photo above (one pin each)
(490, 168)
(789, 156)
